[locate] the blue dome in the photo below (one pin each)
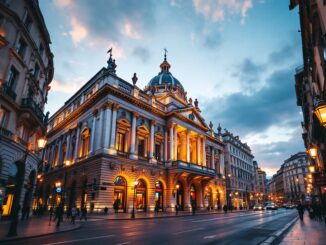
(165, 78)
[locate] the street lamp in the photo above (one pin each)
(320, 112)
(312, 151)
(133, 202)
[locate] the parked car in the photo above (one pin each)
(258, 207)
(271, 206)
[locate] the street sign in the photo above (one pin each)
(58, 189)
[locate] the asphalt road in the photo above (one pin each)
(232, 228)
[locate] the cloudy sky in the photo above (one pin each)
(236, 56)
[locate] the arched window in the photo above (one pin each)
(85, 135)
(141, 194)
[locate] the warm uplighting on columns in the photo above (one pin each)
(320, 112)
(67, 162)
(312, 151)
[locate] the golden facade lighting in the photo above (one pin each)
(312, 151)
(311, 169)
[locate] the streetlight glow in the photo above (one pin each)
(41, 142)
(312, 151)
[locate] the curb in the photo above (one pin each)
(163, 217)
(39, 235)
(276, 236)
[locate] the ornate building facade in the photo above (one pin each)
(26, 70)
(112, 142)
(240, 172)
(310, 89)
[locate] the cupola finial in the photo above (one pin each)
(111, 63)
(165, 66)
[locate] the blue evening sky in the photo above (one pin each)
(236, 56)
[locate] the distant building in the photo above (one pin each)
(239, 170)
(112, 144)
(295, 172)
(260, 184)
(26, 70)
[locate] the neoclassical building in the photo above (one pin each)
(240, 172)
(26, 70)
(112, 141)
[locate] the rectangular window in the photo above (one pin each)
(28, 22)
(36, 71)
(141, 147)
(121, 142)
(21, 47)
(4, 117)
(157, 152)
(12, 77)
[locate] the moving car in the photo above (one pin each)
(258, 207)
(271, 206)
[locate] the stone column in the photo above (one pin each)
(171, 143)
(133, 136)
(59, 163)
(204, 152)
(165, 145)
(91, 148)
(188, 145)
(198, 150)
(68, 148)
(152, 142)
(175, 139)
(112, 149)
(107, 127)
(99, 136)
(77, 144)
(221, 162)
(212, 158)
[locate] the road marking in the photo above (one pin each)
(123, 243)
(79, 240)
(209, 237)
(181, 232)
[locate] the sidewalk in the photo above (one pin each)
(34, 227)
(307, 232)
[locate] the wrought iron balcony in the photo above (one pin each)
(194, 167)
(9, 91)
(29, 103)
(9, 135)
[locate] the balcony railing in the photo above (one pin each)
(194, 167)
(9, 135)
(8, 91)
(30, 104)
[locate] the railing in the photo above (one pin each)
(195, 167)
(8, 91)
(6, 133)
(30, 104)
(125, 88)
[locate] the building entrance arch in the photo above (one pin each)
(180, 195)
(141, 192)
(193, 195)
(159, 194)
(120, 193)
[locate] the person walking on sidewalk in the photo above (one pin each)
(157, 207)
(225, 209)
(59, 215)
(300, 209)
(73, 215)
(83, 213)
(176, 209)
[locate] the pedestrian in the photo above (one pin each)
(106, 210)
(83, 213)
(300, 209)
(193, 207)
(73, 215)
(157, 207)
(225, 209)
(176, 209)
(59, 215)
(116, 205)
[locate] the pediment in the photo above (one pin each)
(193, 115)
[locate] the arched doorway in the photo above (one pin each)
(83, 193)
(72, 195)
(180, 195)
(209, 197)
(120, 193)
(193, 196)
(141, 190)
(159, 194)
(28, 195)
